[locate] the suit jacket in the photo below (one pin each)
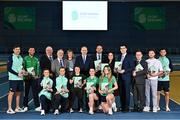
(128, 66)
(55, 65)
(141, 75)
(45, 63)
(103, 58)
(84, 67)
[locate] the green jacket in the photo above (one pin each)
(32, 62)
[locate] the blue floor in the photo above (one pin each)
(131, 115)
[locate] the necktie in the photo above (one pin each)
(50, 58)
(122, 58)
(84, 59)
(99, 57)
(61, 63)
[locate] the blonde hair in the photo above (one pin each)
(109, 74)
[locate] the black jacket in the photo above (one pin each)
(141, 75)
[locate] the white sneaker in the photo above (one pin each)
(38, 109)
(42, 112)
(80, 110)
(167, 109)
(56, 112)
(10, 111)
(155, 109)
(114, 107)
(19, 110)
(110, 111)
(91, 112)
(100, 107)
(71, 110)
(25, 109)
(146, 109)
(158, 108)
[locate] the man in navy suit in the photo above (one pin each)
(125, 77)
(99, 56)
(84, 61)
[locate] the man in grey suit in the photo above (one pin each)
(58, 62)
(139, 74)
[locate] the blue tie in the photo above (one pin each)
(61, 63)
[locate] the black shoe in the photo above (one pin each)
(135, 110)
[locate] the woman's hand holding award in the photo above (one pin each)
(104, 88)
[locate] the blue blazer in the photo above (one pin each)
(128, 66)
(84, 67)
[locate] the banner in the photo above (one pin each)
(150, 18)
(19, 18)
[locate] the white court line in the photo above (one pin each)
(4, 83)
(171, 99)
(175, 101)
(4, 96)
(30, 101)
(6, 93)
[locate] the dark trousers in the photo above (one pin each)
(77, 92)
(60, 100)
(139, 96)
(45, 103)
(33, 84)
(124, 92)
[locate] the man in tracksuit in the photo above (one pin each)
(15, 74)
(31, 65)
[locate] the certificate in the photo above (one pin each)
(118, 65)
(139, 68)
(104, 87)
(77, 82)
(97, 64)
(102, 65)
(31, 70)
(152, 69)
(89, 86)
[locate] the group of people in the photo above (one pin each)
(95, 80)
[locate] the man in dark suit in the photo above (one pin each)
(46, 60)
(84, 61)
(125, 77)
(99, 56)
(139, 75)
